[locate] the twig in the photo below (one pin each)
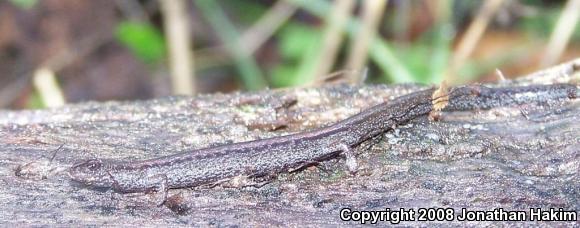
(561, 35)
(472, 37)
(262, 30)
(45, 83)
(332, 36)
(372, 12)
(55, 63)
(443, 38)
(179, 42)
(247, 66)
(252, 39)
(381, 53)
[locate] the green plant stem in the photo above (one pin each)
(380, 52)
(252, 77)
(442, 43)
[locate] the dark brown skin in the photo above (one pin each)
(280, 154)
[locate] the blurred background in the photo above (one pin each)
(54, 52)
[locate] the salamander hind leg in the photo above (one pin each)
(246, 181)
(160, 188)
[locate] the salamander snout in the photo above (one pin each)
(91, 172)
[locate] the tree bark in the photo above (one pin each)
(514, 158)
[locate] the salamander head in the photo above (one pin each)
(92, 172)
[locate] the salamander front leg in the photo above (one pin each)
(351, 163)
(160, 187)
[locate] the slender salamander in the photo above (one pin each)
(284, 153)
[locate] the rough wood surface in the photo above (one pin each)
(515, 158)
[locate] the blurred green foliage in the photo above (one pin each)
(414, 43)
(144, 40)
(247, 12)
(34, 101)
(541, 25)
(296, 42)
(25, 4)
(381, 53)
(422, 59)
(249, 70)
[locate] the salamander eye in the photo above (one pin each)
(92, 165)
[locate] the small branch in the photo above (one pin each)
(561, 35)
(252, 39)
(179, 41)
(55, 63)
(262, 30)
(393, 70)
(443, 39)
(372, 12)
(332, 36)
(47, 86)
(251, 74)
(472, 37)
